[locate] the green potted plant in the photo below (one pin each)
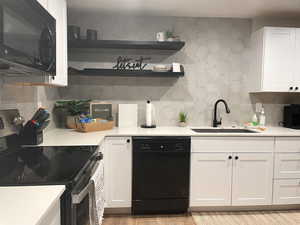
(73, 109)
(171, 36)
(182, 119)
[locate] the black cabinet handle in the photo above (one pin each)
(128, 141)
(236, 158)
(291, 88)
(230, 157)
(296, 88)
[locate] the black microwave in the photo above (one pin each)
(27, 39)
(291, 116)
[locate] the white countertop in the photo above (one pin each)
(69, 137)
(27, 205)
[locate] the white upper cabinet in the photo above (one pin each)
(44, 3)
(279, 44)
(275, 52)
(58, 9)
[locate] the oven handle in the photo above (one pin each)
(78, 197)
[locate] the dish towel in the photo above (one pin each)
(96, 200)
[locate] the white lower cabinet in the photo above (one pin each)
(210, 179)
(117, 172)
(286, 191)
(287, 171)
(252, 179)
(223, 179)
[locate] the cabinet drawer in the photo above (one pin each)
(232, 144)
(286, 191)
(115, 141)
(287, 144)
(287, 165)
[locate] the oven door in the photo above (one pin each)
(83, 203)
(27, 39)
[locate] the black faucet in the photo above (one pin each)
(215, 120)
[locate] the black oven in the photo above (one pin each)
(78, 203)
(27, 39)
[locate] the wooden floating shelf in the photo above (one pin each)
(120, 44)
(125, 73)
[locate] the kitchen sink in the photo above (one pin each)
(223, 130)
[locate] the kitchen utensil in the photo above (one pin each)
(44, 125)
(43, 117)
(18, 120)
(37, 113)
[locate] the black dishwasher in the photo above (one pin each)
(161, 175)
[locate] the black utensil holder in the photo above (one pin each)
(31, 136)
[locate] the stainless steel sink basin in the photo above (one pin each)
(221, 130)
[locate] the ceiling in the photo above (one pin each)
(192, 8)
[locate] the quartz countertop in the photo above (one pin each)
(27, 205)
(69, 137)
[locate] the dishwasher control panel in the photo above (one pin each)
(166, 144)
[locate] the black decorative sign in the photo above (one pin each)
(125, 63)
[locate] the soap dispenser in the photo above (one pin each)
(262, 117)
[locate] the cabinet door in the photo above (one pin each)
(279, 48)
(297, 62)
(286, 191)
(211, 179)
(44, 3)
(287, 165)
(117, 171)
(252, 179)
(58, 9)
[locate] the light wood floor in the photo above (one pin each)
(248, 218)
(149, 220)
(211, 218)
